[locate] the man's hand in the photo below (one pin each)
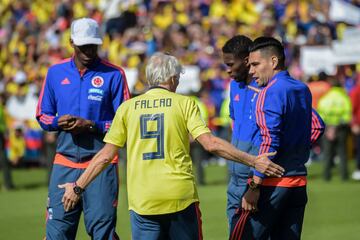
(263, 164)
(66, 121)
(74, 124)
(250, 199)
(70, 198)
(330, 133)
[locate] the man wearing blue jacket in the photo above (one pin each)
(243, 93)
(79, 98)
(243, 96)
(284, 118)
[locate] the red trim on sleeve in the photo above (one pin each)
(46, 119)
(315, 126)
(107, 125)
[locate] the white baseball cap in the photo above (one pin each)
(85, 31)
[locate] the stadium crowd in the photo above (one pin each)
(35, 34)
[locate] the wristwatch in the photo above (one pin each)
(253, 185)
(78, 190)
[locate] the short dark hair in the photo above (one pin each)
(322, 76)
(269, 45)
(238, 46)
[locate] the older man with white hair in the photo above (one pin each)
(163, 199)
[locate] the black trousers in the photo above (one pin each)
(5, 165)
(198, 154)
(357, 139)
(335, 147)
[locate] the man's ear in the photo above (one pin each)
(170, 81)
(274, 62)
(246, 60)
(174, 80)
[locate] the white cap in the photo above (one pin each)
(85, 31)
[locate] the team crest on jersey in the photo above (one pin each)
(97, 81)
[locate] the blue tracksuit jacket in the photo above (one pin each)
(95, 95)
(284, 118)
(242, 99)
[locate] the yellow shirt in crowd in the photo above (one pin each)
(156, 126)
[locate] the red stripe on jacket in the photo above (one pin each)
(260, 115)
(62, 160)
(315, 126)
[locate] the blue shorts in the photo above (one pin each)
(98, 202)
(183, 225)
(280, 215)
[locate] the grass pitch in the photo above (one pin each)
(332, 213)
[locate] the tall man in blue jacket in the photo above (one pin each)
(79, 98)
(284, 117)
(243, 94)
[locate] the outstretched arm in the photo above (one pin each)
(100, 161)
(224, 149)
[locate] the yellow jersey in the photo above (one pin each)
(156, 126)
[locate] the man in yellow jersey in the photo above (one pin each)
(163, 199)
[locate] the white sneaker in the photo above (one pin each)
(356, 175)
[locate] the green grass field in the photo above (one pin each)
(332, 213)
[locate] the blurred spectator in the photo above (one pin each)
(319, 88)
(346, 76)
(217, 86)
(25, 136)
(4, 164)
(335, 109)
(119, 24)
(355, 125)
(223, 122)
(197, 152)
(16, 144)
